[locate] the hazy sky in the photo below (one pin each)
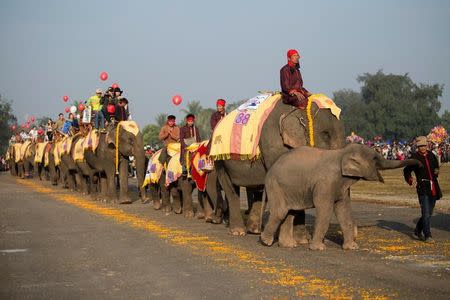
(204, 50)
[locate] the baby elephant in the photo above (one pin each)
(310, 177)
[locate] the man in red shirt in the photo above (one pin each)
(292, 83)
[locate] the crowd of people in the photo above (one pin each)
(101, 109)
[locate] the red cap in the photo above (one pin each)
(220, 102)
(292, 52)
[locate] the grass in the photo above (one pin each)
(396, 191)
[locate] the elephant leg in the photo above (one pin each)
(103, 195)
(301, 234)
(342, 209)
(186, 188)
(111, 194)
(236, 221)
(324, 209)
(165, 198)
(205, 202)
(124, 198)
(253, 222)
(155, 195)
(176, 197)
(277, 215)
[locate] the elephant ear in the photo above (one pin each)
(293, 130)
(354, 164)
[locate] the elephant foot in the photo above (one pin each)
(177, 210)
(350, 246)
(266, 239)
(125, 200)
(317, 246)
(200, 215)
(237, 231)
(302, 238)
(253, 228)
(145, 200)
(157, 204)
(189, 214)
(287, 242)
(167, 208)
(216, 219)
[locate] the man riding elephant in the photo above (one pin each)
(292, 82)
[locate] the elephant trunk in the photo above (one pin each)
(139, 159)
(386, 164)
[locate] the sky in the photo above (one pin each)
(205, 50)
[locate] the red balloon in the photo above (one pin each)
(67, 109)
(23, 126)
(103, 76)
(40, 132)
(33, 119)
(177, 99)
(81, 107)
(65, 98)
(115, 85)
(27, 126)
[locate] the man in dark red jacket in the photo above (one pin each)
(219, 114)
(426, 184)
(292, 83)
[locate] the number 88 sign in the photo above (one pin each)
(242, 118)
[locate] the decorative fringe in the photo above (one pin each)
(117, 148)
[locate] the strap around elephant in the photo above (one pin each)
(117, 148)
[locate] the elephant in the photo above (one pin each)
(285, 128)
(103, 160)
(13, 167)
(309, 177)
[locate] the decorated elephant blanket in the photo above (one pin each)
(324, 102)
(65, 145)
(48, 148)
(195, 163)
(40, 149)
(24, 150)
(78, 150)
(17, 147)
(91, 140)
(237, 134)
(154, 169)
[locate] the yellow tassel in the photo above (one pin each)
(310, 123)
(117, 148)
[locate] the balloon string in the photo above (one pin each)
(117, 147)
(310, 123)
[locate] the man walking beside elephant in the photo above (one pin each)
(426, 184)
(292, 83)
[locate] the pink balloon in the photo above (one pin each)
(65, 98)
(67, 109)
(33, 119)
(177, 99)
(115, 85)
(23, 126)
(27, 126)
(103, 76)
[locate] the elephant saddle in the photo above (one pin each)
(237, 135)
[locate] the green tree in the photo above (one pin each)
(161, 119)
(390, 105)
(7, 119)
(234, 105)
(193, 107)
(203, 122)
(150, 135)
(445, 120)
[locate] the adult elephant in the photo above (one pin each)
(286, 127)
(116, 148)
(13, 167)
